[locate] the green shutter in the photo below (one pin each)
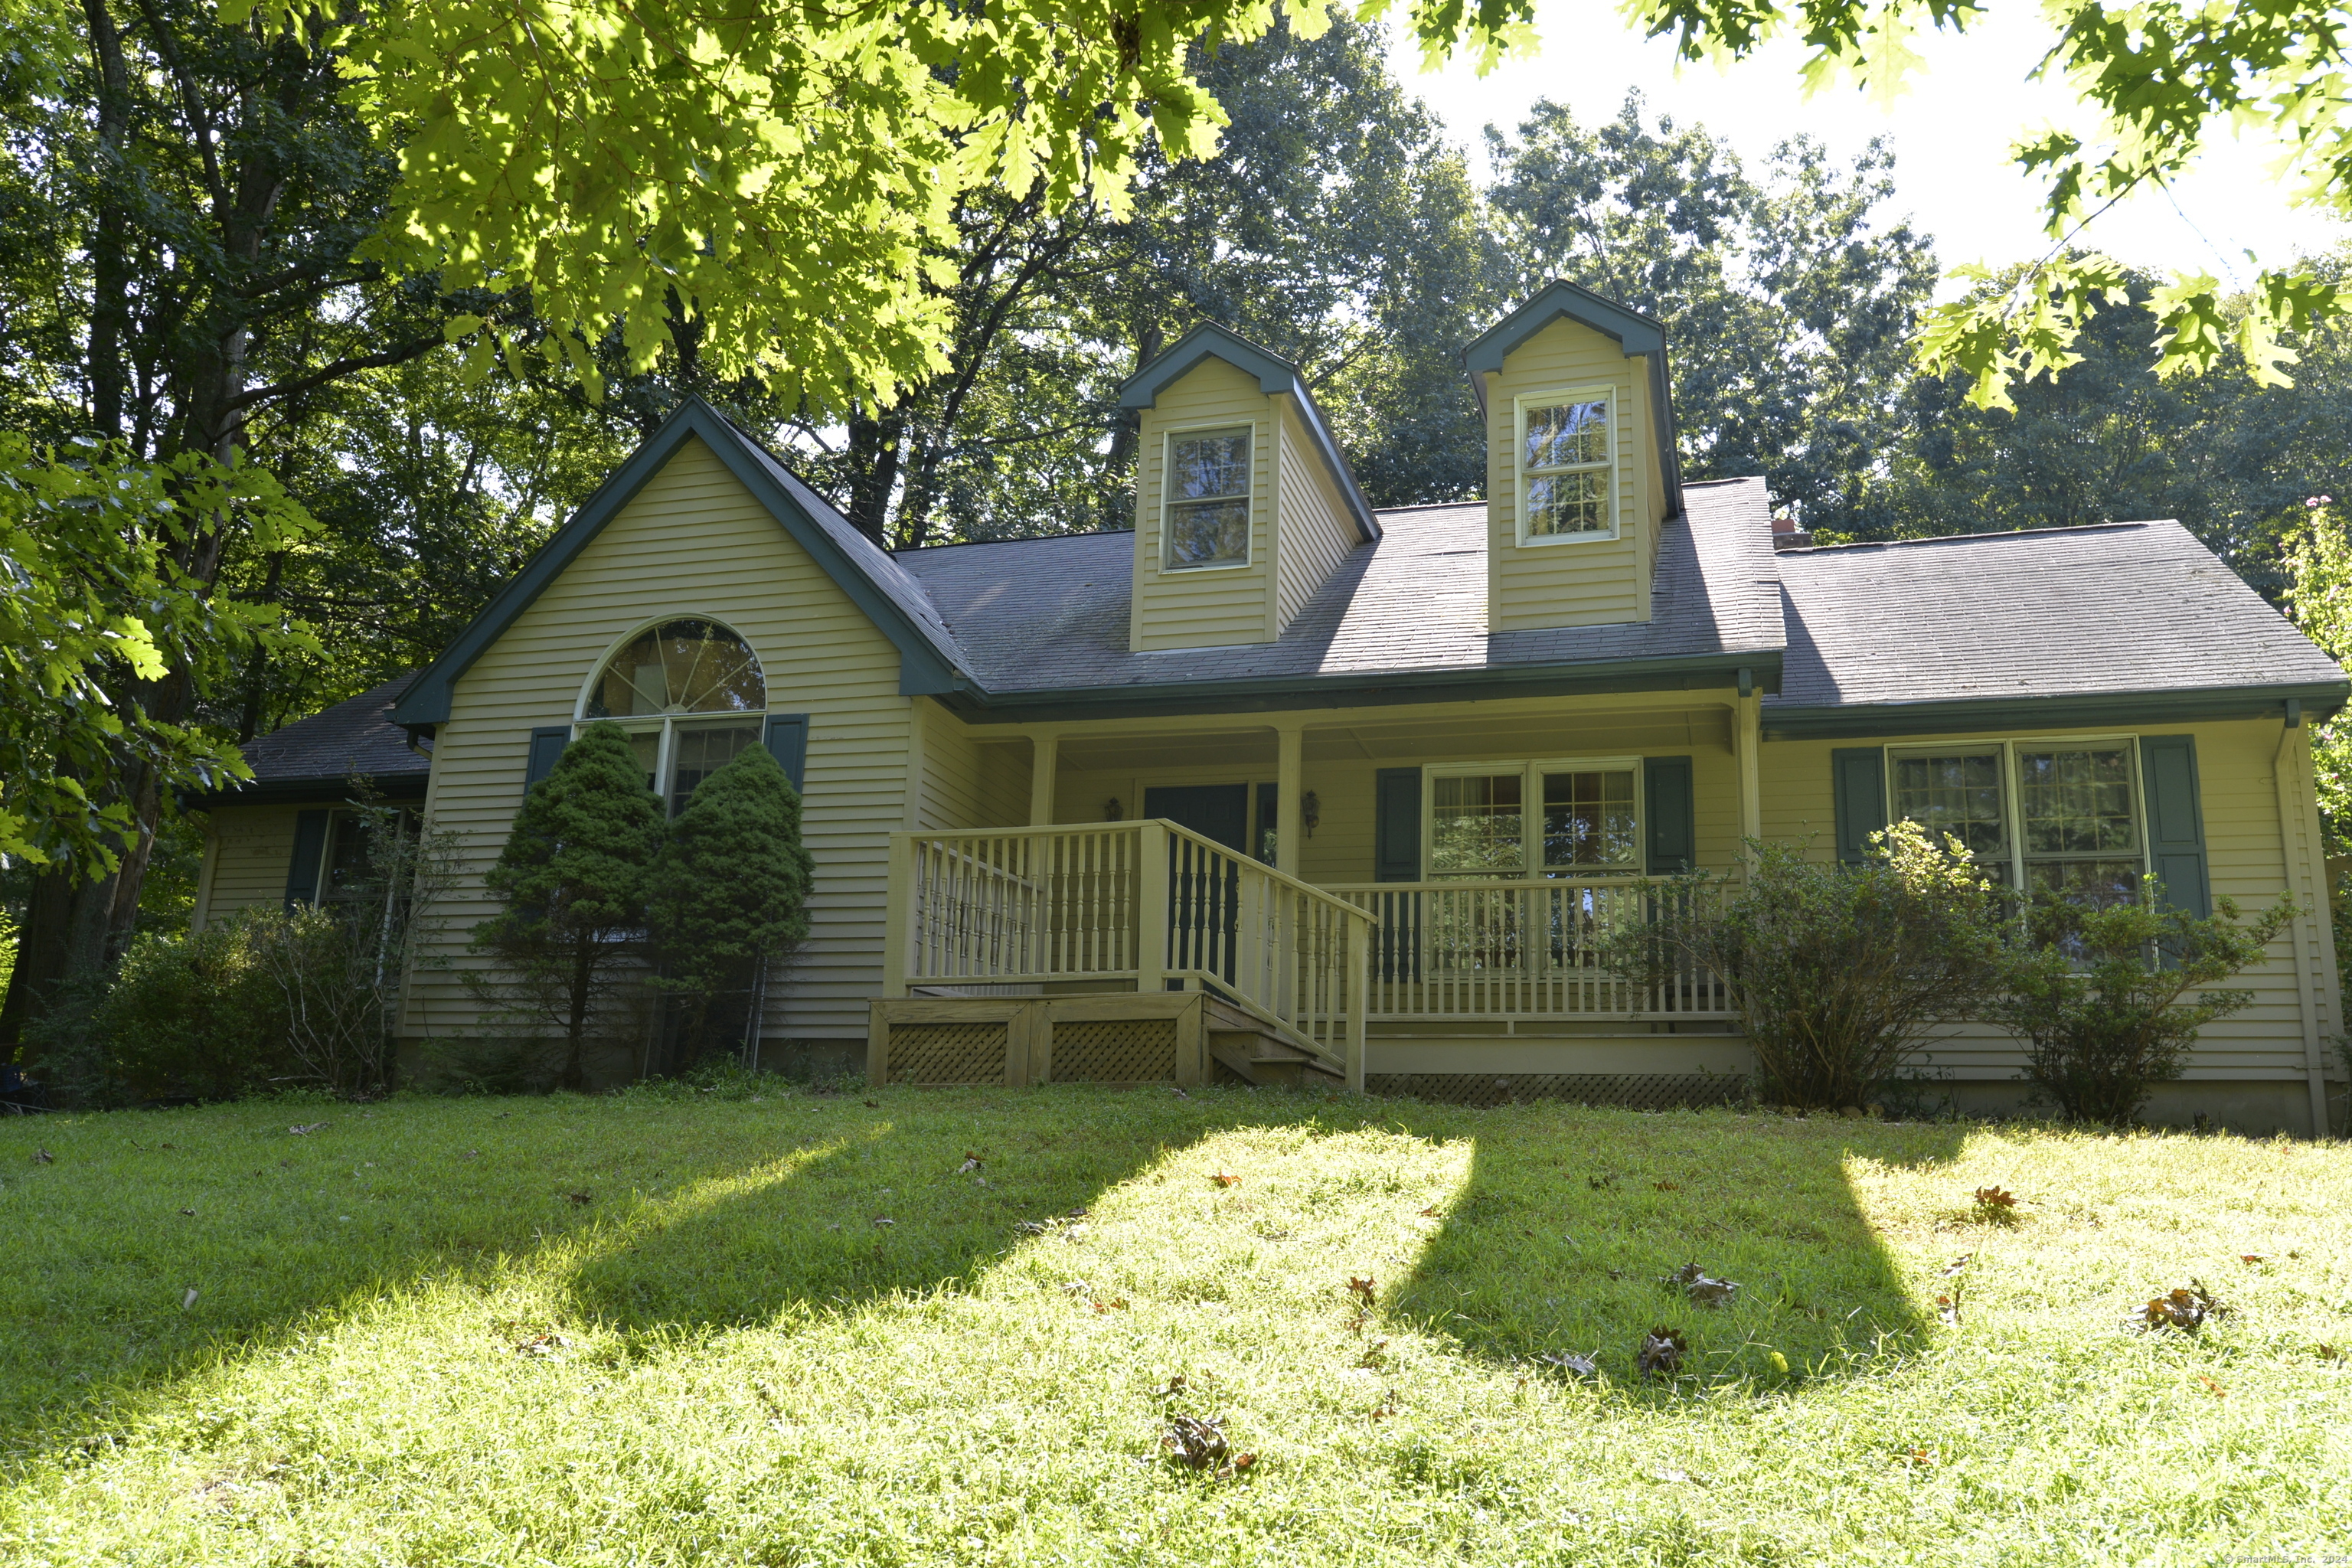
(546, 745)
(1858, 780)
(1670, 836)
(309, 854)
(787, 741)
(1396, 826)
(2175, 821)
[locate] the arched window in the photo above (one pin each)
(689, 693)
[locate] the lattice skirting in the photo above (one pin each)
(1115, 1050)
(1636, 1091)
(948, 1053)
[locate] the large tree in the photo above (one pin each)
(185, 199)
(1789, 299)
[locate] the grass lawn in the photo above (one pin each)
(796, 1329)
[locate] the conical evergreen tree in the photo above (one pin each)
(572, 877)
(728, 894)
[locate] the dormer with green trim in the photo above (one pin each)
(1580, 471)
(1242, 503)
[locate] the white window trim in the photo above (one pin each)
(667, 724)
(2012, 807)
(1167, 494)
(1604, 392)
(1532, 869)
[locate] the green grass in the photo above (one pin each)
(746, 1367)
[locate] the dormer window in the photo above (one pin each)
(1568, 468)
(1208, 505)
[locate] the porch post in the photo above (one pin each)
(1289, 765)
(1749, 724)
(1044, 756)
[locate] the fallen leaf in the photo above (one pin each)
(1995, 1200)
(190, 1213)
(2250, 1258)
(1661, 1352)
(1178, 1093)
(1174, 1387)
(43, 1157)
(1198, 1443)
(1956, 1264)
(971, 1163)
(1924, 1458)
(1376, 1356)
(1616, 1274)
(1947, 1310)
(1363, 1287)
(1116, 1304)
(308, 1127)
(873, 1105)
(1225, 1179)
(1667, 1187)
(1033, 1226)
(1599, 1183)
(1695, 1283)
(2187, 1310)
(189, 1299)
(1431, 1211)
(1574, 1365)
(2213, 1388)
(582, 1198)
(542, 1345)
(882, 1219)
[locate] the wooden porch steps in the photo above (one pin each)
(1125, 1037)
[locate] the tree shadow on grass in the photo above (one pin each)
(650, 1215)
(1560, 1239)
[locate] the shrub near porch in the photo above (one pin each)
(672, 1329)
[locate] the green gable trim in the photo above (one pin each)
(926, 663)
(1275, 374)
(1278, 693)
(1635, 332)
(2074, 712)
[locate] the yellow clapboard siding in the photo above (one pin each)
(1313, 531)
(248, 849)
(694, 543)
(1213, 606)
(1580, 581)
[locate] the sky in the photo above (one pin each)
(1950, 132)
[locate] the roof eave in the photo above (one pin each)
(1374, 689)
(2317, 700)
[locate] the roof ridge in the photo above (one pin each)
(1971, 538)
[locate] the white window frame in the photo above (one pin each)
(2012, 804)
(1167, 439)
(1531, 867)
(665, 749)
(1600, 393)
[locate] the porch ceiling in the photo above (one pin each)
(1475, 732)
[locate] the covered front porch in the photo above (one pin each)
(1397, 891)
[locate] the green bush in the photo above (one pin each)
(1834, 973)
(2101, 995)
(726, 901)
(186, 1017)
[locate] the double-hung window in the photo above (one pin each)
(1206, 516)
(1515, 821)
(691, 696)
(2047, 817)
(1568, 466)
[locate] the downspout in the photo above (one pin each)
(2298, 841)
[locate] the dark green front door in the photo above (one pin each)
(1205, 914)
(1220, 812)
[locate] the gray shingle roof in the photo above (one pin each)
(1046, 615)
(314, 758)
(2122, 607)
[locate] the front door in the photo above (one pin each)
(1205, 918)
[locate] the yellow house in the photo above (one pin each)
(1274, 781)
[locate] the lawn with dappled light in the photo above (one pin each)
(805, 1329)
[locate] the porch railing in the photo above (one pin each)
(1522, 949)
(1146, 902)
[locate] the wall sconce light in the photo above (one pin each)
(1112, 810)
(1310, 812)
